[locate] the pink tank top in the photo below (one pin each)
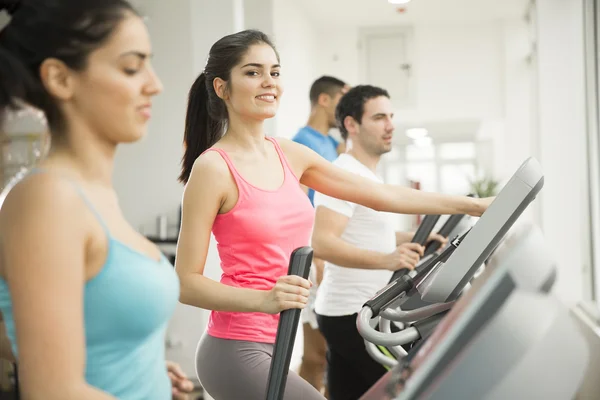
(255, 240)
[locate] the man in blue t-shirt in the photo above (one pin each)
(325, 93)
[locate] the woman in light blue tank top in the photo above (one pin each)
(85, 299)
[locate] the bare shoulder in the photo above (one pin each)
(288, 145)
(210, 175)
(42, 210)
(294, 149)
(42, 195)
(300, 156)
(210, 167)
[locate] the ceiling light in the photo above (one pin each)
(398, 1)
(416, 133)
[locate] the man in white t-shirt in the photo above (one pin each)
(325, 92)
(359, 245)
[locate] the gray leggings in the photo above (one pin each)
(235, 369)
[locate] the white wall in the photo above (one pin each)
(562, 140)
(513, 146)
(210, 21)
(458, 68)
(338, 53)
(258, 14)
(146, 172)
(512, 141)
(297, 41)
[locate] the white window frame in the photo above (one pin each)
(592, 70)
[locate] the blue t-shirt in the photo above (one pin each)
(325, 146)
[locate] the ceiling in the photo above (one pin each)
(380, 12)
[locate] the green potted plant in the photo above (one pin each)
(485, 186)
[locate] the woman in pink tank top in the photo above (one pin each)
(245, 188)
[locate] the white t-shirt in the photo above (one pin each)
(343, 291)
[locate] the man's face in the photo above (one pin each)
(375, 132)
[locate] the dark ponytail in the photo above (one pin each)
(206, 116)
(68, 30)
(16, 83)
(204, 124)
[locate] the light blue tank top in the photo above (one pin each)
(127, 306)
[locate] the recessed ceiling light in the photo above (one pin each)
(398, 1)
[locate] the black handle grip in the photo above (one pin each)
(388, 294)
(421, 235)
(300, 262)
(432, 247)
(425, 229)
(450, 224)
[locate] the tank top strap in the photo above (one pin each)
(238, 179)
(284, 161)
(81, 194)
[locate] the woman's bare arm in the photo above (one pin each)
(326, 178)
(202, 199)
(43, 241)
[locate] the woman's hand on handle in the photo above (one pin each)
(290, 291)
